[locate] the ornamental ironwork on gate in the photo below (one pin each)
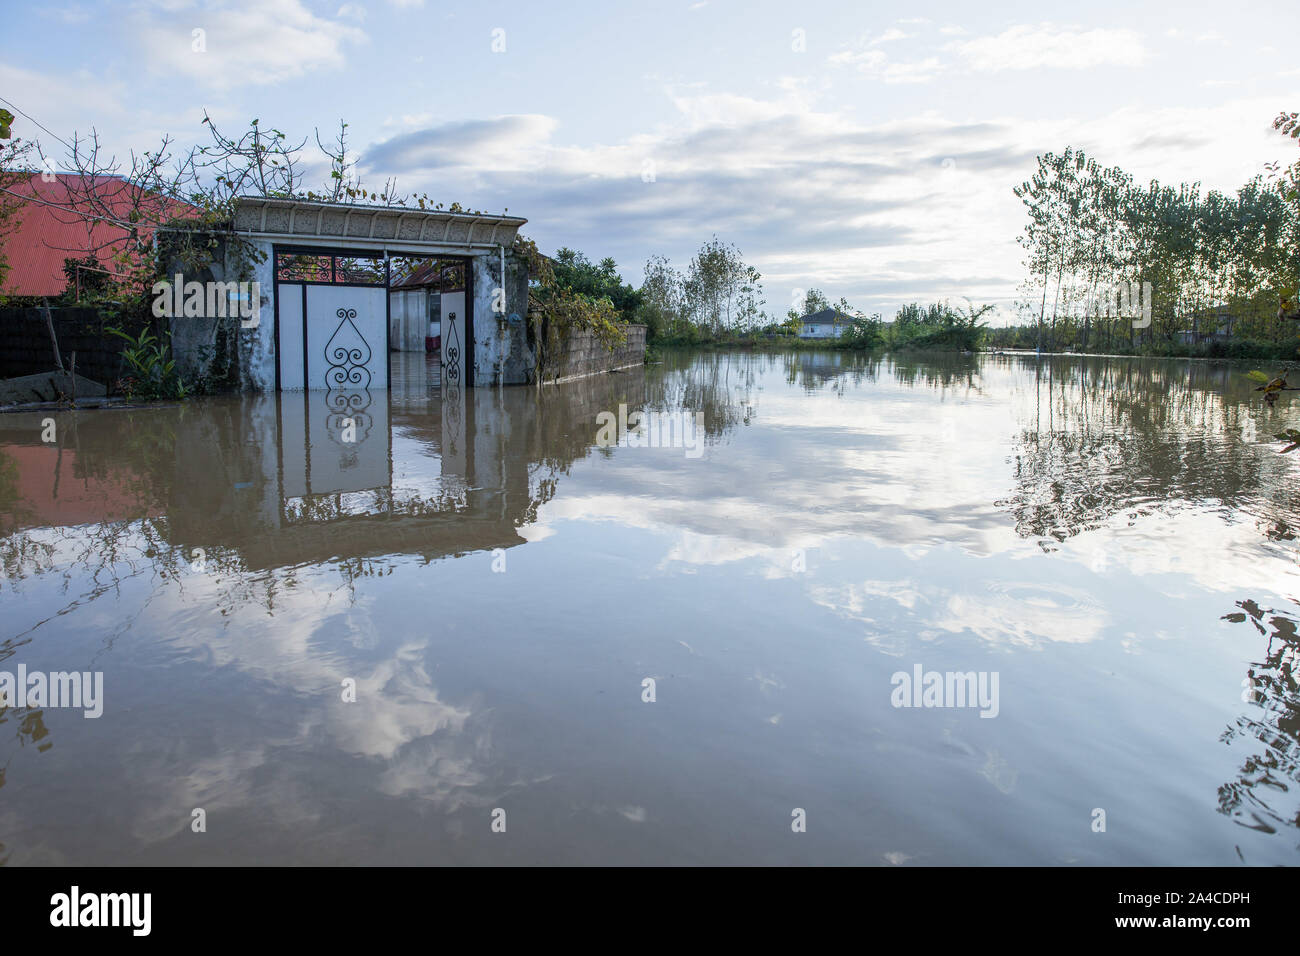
(451, 353)
(348, 354)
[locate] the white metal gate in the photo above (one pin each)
(333, 336)
(456, 350)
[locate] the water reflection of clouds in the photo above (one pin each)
(793, 480)
(1025, 615)
(1192, 550)
(417, 743)
(1008, 533)
(1100, 477)
(895, 615)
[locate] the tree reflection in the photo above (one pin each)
(26, 723)
(1100, 438)
(722, 387)
(1266, 794)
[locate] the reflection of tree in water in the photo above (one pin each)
(1266, 794)
(11, 502)
(95, 559)
(133, 458)
(937, 373)
(27, 726)
(1100, 438)
(21, 555)
(722, 386)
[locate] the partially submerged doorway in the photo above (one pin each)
(311, 253)
(429, 305)
(340, 313)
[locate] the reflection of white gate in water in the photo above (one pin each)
(318, 457)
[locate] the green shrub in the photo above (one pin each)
(152, 374)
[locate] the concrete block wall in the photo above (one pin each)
(584, 355)
(25, 347)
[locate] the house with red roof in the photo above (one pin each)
(51, 228)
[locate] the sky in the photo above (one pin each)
(869, 151)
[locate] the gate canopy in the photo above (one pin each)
(394, 229)
(313, 333)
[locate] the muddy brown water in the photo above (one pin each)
(1108, 543)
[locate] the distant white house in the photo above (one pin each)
(826, 324)
(1210, 325)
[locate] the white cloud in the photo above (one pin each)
(884, 213)
(891, 35)
(1025, 47)
(513, 142)
(1020, 47)
(877, 63)
(74, 14)
(917, 71)
(244, 41)
(64, 102)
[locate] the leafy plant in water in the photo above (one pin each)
(152, 373)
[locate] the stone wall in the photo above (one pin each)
(220, 351)
(585, 355)
(501, 351)
(25, 347)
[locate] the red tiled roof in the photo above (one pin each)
(433, 272)
(45, 235)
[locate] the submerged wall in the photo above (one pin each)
(583, 354)
(502, 355)
(219, 350)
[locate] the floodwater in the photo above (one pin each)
(1107, 545)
